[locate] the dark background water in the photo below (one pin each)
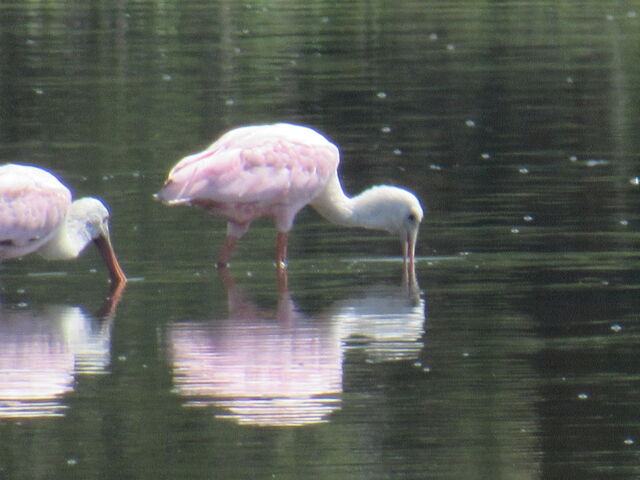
(515, 122)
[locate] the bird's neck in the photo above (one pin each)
(333, 204)
(359, 211)
(67, 242)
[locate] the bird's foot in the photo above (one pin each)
(283, 277)
(220, 265)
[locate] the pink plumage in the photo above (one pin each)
(33, 203)
(254, 171)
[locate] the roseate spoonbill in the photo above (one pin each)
(276, 170)
(37, 215)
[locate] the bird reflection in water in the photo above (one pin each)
(284, 368)
(43, 350)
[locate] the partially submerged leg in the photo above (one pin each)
(283, 280)
(281, 246)
(234, 232)
(225, 255)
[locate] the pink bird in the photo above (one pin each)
(276, 170)
(37, 215)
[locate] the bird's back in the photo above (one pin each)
(33, 203)
(264, 164)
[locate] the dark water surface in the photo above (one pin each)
(514, 356)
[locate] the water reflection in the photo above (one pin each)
(44, 349)
(284, 368)
(386, 321)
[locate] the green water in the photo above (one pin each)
(514, 354)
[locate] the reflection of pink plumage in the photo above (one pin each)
(37, 215)
(275, 170)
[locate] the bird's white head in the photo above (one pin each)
(393, 209)
(91, 217)
(88, 218)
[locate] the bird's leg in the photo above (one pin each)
(227, 250)
(281, 245)
(283, 281)
(235, 230)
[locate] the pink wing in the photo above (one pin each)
(33, 203)
(274, 164)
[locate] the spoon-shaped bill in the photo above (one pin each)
(116, 273)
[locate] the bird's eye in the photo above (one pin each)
(411, 218)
